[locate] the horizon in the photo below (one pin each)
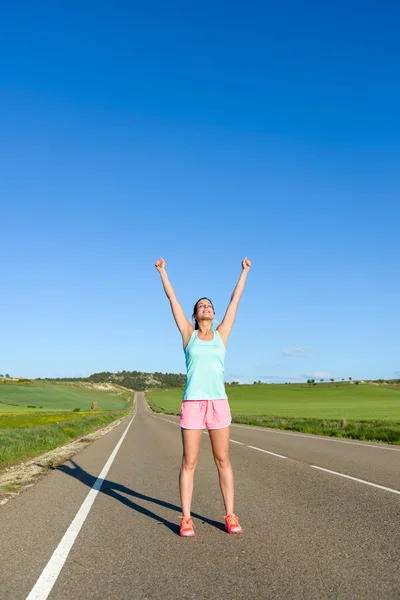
(348, 380)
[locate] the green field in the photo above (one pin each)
(365, 412)
(26, 432)
(344, 402)
(45, 396)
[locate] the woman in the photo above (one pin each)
(205, 404)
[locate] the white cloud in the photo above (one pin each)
(297, 351)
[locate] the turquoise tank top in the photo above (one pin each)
(205, 368)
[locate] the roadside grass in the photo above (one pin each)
(38, 416)
(13, 487)
(19, 443)
(376, 431)
(23, 420)
(363, 412)
(151, 400)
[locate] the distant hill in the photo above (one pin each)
(135, 380)
(139, 381)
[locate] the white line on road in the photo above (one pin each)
(47, 579)
(314, 466)
(167, 420)
(381, 487)
(319, 438)
(267, 451)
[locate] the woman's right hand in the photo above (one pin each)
(160, 264)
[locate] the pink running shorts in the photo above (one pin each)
(205, 414)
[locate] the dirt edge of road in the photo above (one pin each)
(17, 478)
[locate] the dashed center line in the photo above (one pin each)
(317, 438)
(267, 451)
(381, 487)
(376, 485)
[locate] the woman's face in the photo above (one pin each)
(204, 310)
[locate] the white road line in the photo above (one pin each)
(167, 420)
(163, 419)
(381, 487)
(320, 438)
(50, 573)
(267, 451)
(313, 466)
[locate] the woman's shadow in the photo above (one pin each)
(111, 489)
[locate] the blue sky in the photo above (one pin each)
(202, 134)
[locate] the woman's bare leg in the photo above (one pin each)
(220, 447)
(191, 439)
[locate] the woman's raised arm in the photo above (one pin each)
(184, 326)
(224, 328)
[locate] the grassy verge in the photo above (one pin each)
(159, 409)
(375, 431)
(20, 441)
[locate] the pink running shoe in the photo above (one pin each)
(232, 524)
(187, 527)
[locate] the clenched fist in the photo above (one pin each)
(160, 264)
(246, 264)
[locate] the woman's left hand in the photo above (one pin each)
(246, 264)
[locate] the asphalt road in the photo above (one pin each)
(105, 524)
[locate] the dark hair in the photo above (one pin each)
(196, 325)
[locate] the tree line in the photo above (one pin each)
(135, 380)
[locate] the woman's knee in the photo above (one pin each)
(188, 464)
(222, 461)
